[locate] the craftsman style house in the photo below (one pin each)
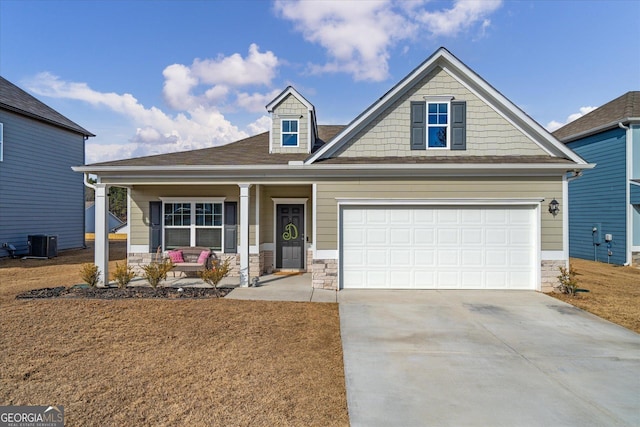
(441, 183)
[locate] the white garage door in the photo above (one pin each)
(438, 247)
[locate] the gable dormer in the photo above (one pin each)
(293, 123)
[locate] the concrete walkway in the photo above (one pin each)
(487, 358)
(272, 287)
(276, 287)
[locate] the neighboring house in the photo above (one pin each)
(606, 198)
(441, 183)
(39, 193)
(114, 222)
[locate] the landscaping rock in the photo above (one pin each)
(125, 293)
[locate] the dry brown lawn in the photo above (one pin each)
(166, 362)
(613, 292)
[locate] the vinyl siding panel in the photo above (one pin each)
(290, 108)
(142, 195)
(599, 196)
(39, 193)
(473, 188)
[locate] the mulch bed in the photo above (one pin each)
(125, 293)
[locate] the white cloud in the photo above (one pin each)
(259, 126)
(157, 132)
(178, 83)
(463, 15)
(554, 125)
(358, 36)
(256, 69)
(256, 102)
(197, 93)
(216, 78)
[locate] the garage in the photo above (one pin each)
(438, 247)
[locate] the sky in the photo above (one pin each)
(150, 77)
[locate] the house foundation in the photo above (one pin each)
(549, 272)
(324, 274)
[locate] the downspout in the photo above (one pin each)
(629, 225)
(93, 187)
(565, 195)
(87, 183)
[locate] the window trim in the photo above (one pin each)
(438, 99)
(283, 133)
(192, 227)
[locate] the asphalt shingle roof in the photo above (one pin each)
(249, 151)
(621, 108)
(14, 99)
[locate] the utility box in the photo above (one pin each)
(596, 231)
(43, 245)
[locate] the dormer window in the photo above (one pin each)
(289, 133)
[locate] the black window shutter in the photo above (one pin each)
(230, 227)
(418, 125)
(155, 226)
(458, 125)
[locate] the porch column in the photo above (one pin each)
(101, 258)
(244, 234)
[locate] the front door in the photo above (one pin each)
(290, 236)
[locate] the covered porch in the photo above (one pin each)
(261, 228)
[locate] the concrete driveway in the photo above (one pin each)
(484, 358)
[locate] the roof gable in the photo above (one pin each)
(14, 99)
(623, 109)
(290, 90)
(443, 59)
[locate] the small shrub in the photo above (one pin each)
(217, 272)
(90, 274)
(157, 270)
(568, 282)
(123, 274)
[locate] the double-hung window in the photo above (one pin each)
(438, 123)
(193, 223)
(289, 130)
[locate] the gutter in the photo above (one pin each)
(601, 128)
(293, 168)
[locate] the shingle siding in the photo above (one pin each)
(487, 132)
(599, 196)
(290, 108)
(39, 193)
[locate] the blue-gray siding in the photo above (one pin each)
(39, 193)
(599, 196)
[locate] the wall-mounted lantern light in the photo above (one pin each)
(554, 207)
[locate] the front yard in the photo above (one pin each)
(199, 362)
(166, 362)
(613, 292)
